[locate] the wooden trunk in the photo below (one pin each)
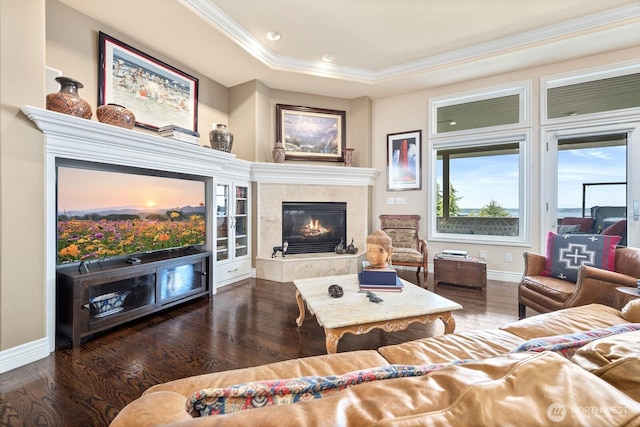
(470, 272)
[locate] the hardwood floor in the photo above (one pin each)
(249, 323)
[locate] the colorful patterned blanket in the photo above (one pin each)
(257, 394)
(283, 392)
(568, 344)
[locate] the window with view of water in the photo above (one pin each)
(479, 188)
(592, 181)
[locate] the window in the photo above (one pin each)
(591, 181)
(485, 181)
(606, 91)
(486, 109)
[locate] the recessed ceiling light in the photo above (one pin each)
(453, 123)
(273, 35)
(328, 57)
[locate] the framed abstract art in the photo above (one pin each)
(404, 161)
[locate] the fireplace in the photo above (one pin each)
(313, 227)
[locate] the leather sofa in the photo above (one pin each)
(544, 294)
(484, 381)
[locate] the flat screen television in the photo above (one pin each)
(106, 211)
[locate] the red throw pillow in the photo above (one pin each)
(617, 229)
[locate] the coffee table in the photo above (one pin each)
(354, 313)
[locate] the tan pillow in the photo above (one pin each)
(631, 311)
(615, 359)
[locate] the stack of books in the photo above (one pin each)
(180, 134)
(379, 279)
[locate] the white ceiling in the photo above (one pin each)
(382, 47)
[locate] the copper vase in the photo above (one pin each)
(116, 115)
(67, 101)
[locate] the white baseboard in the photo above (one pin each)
(23, 354)
(502, 276)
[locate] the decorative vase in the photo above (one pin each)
(278, 152)
(116, 115)
(67, 101)
(348, 156)
(221, 139)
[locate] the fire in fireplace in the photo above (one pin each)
(313, 227)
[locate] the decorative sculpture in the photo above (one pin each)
(340, 247)
(352, 249)
(282, 249)
(336, 291)
(372, 297)
(379, 249)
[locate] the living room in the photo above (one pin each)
(38, 34)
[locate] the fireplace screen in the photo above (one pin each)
(313, 227)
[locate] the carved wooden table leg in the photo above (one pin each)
(449, 322)
(300, 301)
(331, 341)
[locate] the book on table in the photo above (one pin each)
(397, 286)
(378, 275)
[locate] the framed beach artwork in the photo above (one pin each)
(404, 161)
(157, 93)
(311, 133)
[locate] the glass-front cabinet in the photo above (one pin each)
(222, 222)
(240, 224)
(233, 238)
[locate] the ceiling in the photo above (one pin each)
(381, 47)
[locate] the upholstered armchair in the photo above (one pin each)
(544, 293)
(408, 248)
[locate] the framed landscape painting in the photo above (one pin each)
(311, 133)
(157, 93)
(404, 161)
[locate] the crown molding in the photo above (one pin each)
(218, 18)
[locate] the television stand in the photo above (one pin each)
(110, 293)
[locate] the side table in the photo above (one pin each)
(623, 295)
(470, 272)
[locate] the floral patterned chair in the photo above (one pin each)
(408, 248)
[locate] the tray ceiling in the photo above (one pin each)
(381, 48)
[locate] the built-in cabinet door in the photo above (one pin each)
(222, 220)
(232, 216)
(240, 220)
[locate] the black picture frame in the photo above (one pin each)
(157, 93)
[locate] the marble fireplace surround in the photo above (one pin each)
(276, 183)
